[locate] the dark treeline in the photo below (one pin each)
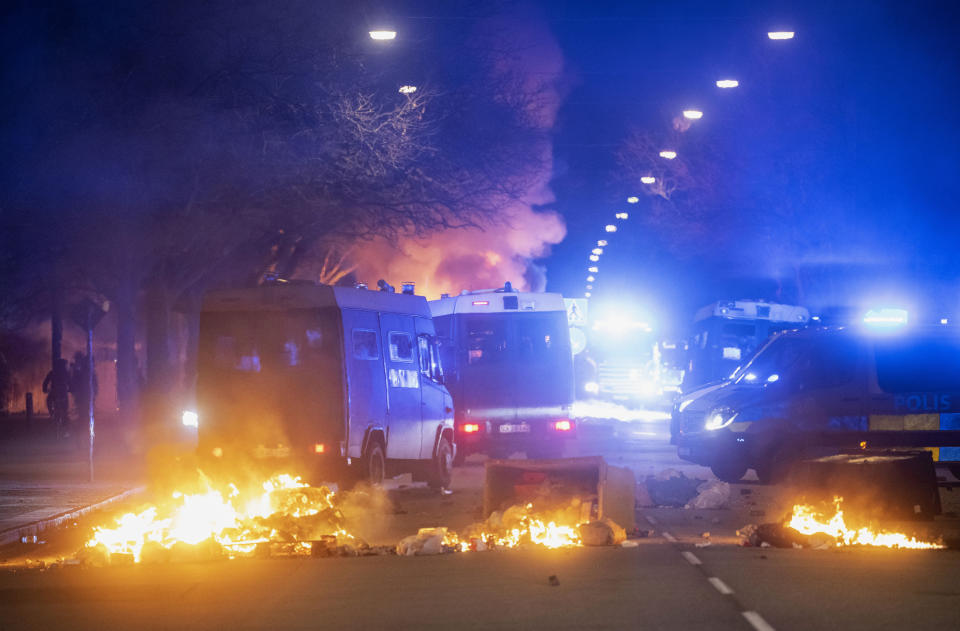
(154, 150)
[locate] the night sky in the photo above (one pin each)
(851, 126)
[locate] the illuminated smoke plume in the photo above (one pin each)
(468, 258)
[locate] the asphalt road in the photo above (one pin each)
(667, 582)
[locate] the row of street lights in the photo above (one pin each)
(666, 154)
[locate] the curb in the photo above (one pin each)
(15, 534)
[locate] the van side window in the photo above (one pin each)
(424, 343)
(430, 358)
(365, 344)
(833, 362)
(919, 364)
(401, 346)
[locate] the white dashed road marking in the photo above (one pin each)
(651, 520)
(669, 537)
(756, 621)
(722, 587)
(690, 557)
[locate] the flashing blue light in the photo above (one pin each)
(885, 317)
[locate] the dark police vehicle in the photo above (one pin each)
(335, 382)
(813, 392)
(726, 333)
(510, 370)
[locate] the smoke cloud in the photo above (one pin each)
(481, 258)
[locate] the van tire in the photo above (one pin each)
(729, 469)
(441, 467)
(374, 464)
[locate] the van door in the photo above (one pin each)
(435, 408)
(403, 385)
(828, 382)
(366, 380)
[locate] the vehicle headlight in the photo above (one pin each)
(592, 387)
(718, 419)
(190, 419)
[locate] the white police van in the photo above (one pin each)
(509, 368)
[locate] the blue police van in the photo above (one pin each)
(509, 368)
(333, 382)
(814, 392)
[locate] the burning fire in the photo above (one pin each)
(288, 515)
(284, 511)
(522, 524)
(808, 521)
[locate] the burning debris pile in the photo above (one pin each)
(287, 517)
(807, 526)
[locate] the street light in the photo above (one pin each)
(693, 115)
(591, 278)
(610, 228)
(727, 83)
(602, 243)
(648, 179)
(594, 258)
(598, 250)
(622, 216)
(594, 269)
(780, 34)
(383, 35)
(586, 294)
(633, 199)
(407, 89)
(669, 155)
(589, 286)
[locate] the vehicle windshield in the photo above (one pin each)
(771, 361)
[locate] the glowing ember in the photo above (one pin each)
(808, 521)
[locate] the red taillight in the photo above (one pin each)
(563, 425)
(470, 428)
(319, 448)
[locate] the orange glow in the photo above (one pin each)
(563, 425)
(319, 448)
(217, 452)
(470, 428)
(808, 521)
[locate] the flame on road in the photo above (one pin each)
(284, 510)
(289, 515)
(806, 520)
(522, 524)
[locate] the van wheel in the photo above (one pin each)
(729, 469)
(374, 464)
(441, 468)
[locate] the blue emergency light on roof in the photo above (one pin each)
(885, 317)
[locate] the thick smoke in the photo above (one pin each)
(470, 258)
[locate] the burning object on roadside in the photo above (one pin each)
(808, 526)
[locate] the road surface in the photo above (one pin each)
(666, 582)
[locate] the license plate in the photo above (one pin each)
(518, 428)
(262, 452)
